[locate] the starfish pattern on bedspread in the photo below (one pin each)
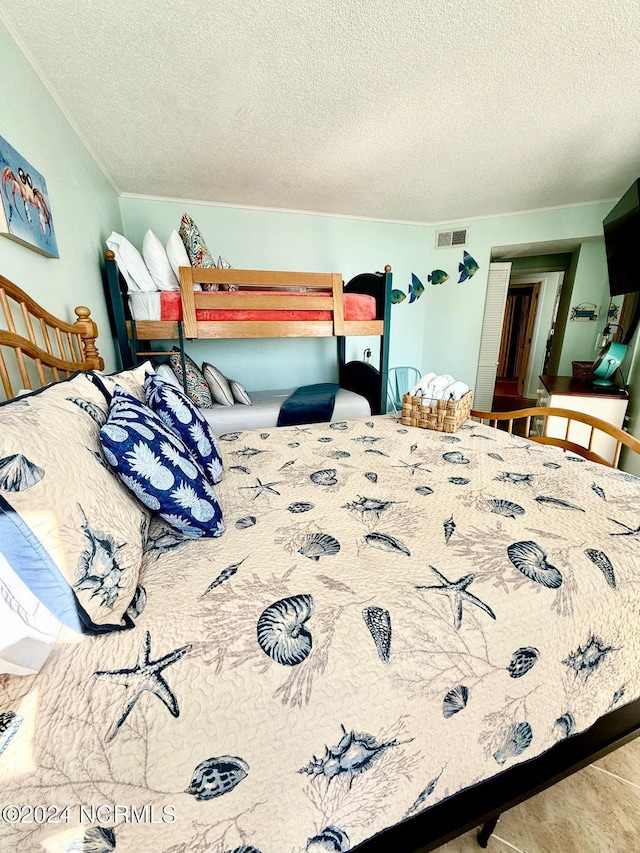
(144, 676)
(457, 590)
(261, 487)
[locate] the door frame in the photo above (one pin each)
(550, 285)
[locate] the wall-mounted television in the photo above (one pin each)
(622, 241)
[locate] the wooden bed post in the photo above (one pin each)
(88, 332)
(115, 306)
(384, 340)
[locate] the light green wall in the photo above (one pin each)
(591, 285)
(84, 205)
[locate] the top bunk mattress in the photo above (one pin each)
(167, 305)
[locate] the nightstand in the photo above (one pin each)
(565, 392)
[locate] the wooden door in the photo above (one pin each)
(517, 333)
(524, 350)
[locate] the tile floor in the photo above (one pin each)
(597, 810)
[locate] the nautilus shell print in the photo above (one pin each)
(531, 560)
(282, 634)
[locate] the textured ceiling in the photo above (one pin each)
(423, 110)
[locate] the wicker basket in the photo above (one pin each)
(582, 370)
(441, 415)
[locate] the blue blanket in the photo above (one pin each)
(309, 404)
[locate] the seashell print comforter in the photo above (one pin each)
(392, 615)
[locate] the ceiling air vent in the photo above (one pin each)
(447, 239)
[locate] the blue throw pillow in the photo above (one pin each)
(177, 411)
(154, 463)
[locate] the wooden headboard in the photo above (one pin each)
(37, 348)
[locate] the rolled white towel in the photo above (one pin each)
(422, 384)
(457, 390)
(438, 384)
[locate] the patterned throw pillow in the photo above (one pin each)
(177, 411)
(199, 255)
(197, 388)
(154, 463)
(69, 529)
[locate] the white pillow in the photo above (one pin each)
(165, 373)
(218, 385)
(130, 264)
(239, 393)
(27, 628)
(155, 257)
(177, 255)
(131, 380)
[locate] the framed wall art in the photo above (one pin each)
(25, 211)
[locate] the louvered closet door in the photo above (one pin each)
(497, 287)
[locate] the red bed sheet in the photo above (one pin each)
(357, 306)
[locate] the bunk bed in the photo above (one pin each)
(216, 739)
(264, 304)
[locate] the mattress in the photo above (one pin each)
(391, 616)
(265, 407)
(167, 305)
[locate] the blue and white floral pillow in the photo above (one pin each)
(154, 463)
(177, 411)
